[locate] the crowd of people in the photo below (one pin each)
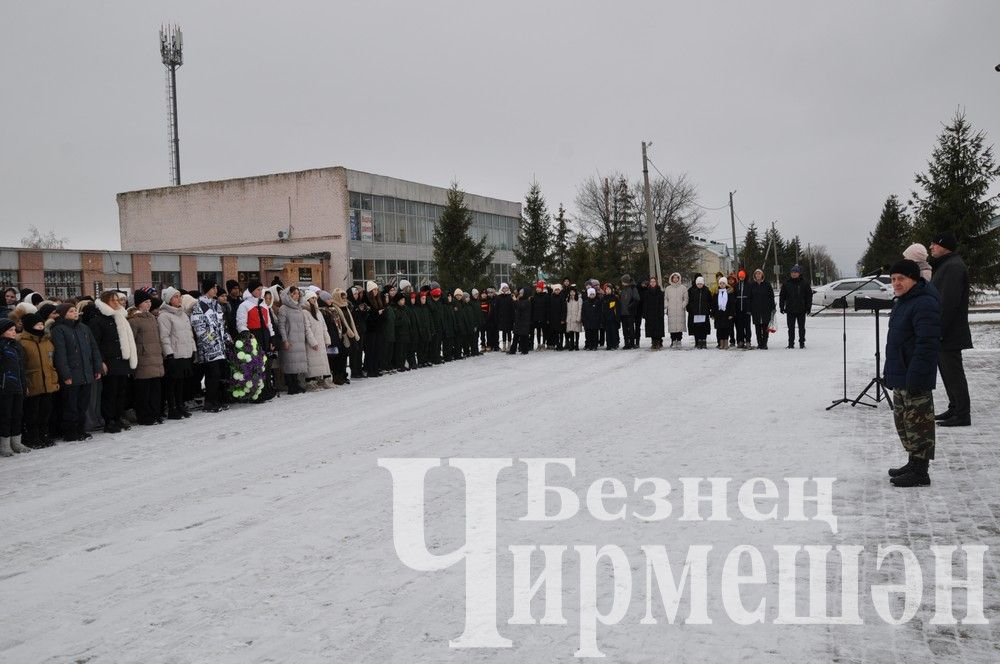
(72, 367)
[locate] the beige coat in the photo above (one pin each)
(176, 336)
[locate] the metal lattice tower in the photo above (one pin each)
(171, 51)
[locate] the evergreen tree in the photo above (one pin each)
(956, 198)
(534, 238)
(461, 261)
(580, 262)
(752, 252)
(890, 237)
(560, 243)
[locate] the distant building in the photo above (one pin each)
(713, 257)
(372, 226)
(67, 273)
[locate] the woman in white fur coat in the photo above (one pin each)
(179, 347)
(119, 357)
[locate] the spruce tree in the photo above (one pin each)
(461, 261)
(956, 198)
(580, 262)
(560, 243)
(535, 235)
(753, 252)
(889, 239)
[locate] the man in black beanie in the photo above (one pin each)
(911, 356)
(951, 278)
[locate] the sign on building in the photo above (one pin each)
(367, 227)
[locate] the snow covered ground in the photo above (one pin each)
(265, 534)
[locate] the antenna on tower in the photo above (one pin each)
(171, 50)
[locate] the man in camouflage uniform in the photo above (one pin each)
(911, 356)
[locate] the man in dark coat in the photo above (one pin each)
(795, 301)
(522, 326)
(761, 298)
(741, 309)
(630, 310)
(951, 279)
(911, 359)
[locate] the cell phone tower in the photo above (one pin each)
(171, 50)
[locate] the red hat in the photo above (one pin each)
(435, 292)
(539, 284)
(742, 274)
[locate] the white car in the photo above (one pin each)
(825, 295)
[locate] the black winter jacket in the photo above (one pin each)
(951, 280)
(914, 340)
(77, 356)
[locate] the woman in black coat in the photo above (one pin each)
(503, 307)
(120, 357)
(522, 323)
(652, 312)
(611, 317)
(761, 295)
(699, 310)
(724, 312)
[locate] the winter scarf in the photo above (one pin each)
(723, 298)
(125, 337)
(346, 318)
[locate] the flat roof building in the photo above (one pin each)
(372, 226)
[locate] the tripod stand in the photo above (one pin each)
(881, 391)
(841, 302)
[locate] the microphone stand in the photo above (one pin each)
(843, 316)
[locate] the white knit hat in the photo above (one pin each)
(723, 282)
(504, 287)
(458, 292)
(404, 284)
(168, 294)
(591, 292)
(700, 280)
(915, 252)
(370, 286)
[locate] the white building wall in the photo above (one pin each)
(244, 216)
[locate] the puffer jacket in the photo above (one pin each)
(147, 342)
(208, 322)
(40, 368)
(77, 356)
(676, 297)
(176, 336)
(293, 334)
(12, 365)
(914, 340)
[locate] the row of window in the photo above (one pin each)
(387, 219)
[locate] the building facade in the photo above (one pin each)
(713, 257)
(67, 273)
(371, 226)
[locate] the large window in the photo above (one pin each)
(162, 279)
(214, 276)
(63, 283)
(410, 222)
(8, 278)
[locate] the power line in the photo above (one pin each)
(712, 209)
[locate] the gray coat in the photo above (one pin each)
(574, 314)
(293, 335)
(316, 335)
(176, 337)
(676, 301)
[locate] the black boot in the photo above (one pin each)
(902, 470)
(956, 421)
(945, 415)
(917, 476)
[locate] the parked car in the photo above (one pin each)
(825, 295)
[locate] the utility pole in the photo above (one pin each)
(774, 239)
(653, 250)
(809, 262)
(732, 220)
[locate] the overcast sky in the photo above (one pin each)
(813, 111)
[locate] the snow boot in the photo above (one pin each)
(946, 415)
(802, 344)
(5, 450)
(15, 445)
(902, 470)
(917, 476)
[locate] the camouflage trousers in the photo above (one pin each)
(913, 413)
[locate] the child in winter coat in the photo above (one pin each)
(590, 313)
(699, 309)
(611, 317)
(42, 381)
(13, 386)
(574, 319)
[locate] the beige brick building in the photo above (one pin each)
(371, 226)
